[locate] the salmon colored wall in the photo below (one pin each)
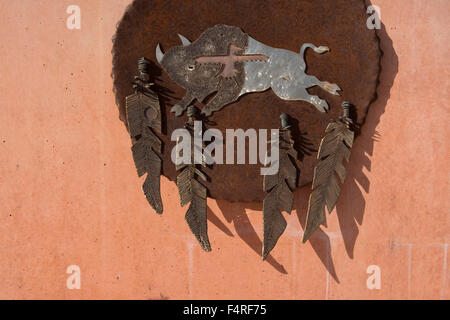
(70, 195)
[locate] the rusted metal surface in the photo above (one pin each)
(353, 63)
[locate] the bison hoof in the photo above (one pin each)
(332, 88)
(322, 106)
(177, 109)
(206, 112)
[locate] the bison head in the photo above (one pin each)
(180, 64)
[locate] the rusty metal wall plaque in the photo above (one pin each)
(259, 31)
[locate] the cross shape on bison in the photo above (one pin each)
(228, 61)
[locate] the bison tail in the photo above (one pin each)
(320, 50)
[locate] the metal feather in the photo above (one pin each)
(144, 116)
(192, 191)
(279, 188)
(334, 148)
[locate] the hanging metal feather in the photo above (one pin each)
(190, 189)
(144, 116)
(335, 146)
(279, 188)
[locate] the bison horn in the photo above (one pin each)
(159, 54)
(184, 40)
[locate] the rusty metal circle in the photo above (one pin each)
(353, 63)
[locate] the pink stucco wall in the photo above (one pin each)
(69, 192)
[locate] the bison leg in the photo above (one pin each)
(227, 93)
(179, 108)
(303, 95)
(287, 89)
(217, 103)
(332, 88)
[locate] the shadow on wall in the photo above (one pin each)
(236, 213)
(351, 205)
